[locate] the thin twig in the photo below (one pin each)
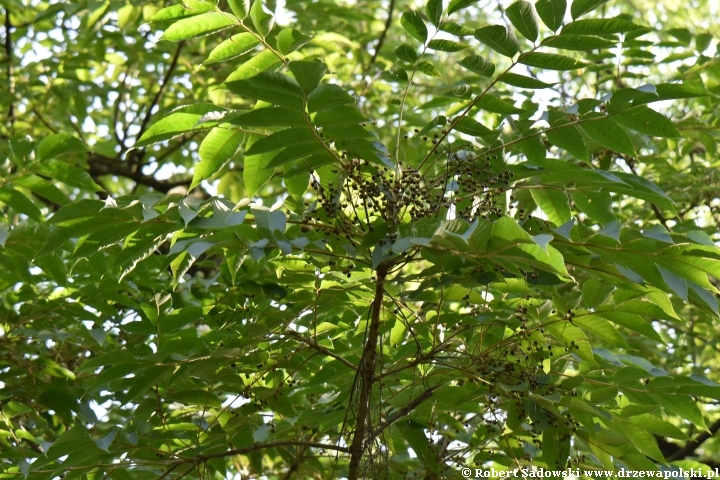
(163, 86)
(10, 67)
(381, 39)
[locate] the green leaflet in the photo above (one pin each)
(406, 53)
(570, 139)
(567, 333)
(479, 65)
(670, 91)
(595, 204)
(658, 427)
(172, 12)
(339, 115)
(308, 74)
(600, 26)
(434, 9)
(646, 120)
(446, 45)
(551, 12)
(470, 126)
(429, 69)
(601, 328)
(271, 87)
(58, 144)
(491, 103)
(413, 23)
(533, 148)
(263, 61)
(554, 203)
(294, 152)
(581, 7)
(289, 40)
(68, 174)
(522, 16)
(578, 42)
(455, 29)
(261, 17)
(415, 436)
(255, 174)
(632, 322)
(641, 439)
(522, 81)
(233, 47)
(284, 138)
(604, 394)
(550, 61)
(182, 120)
(456, 5)
(328, 96)
(42, 188)
(608, 133)
(216, 149)
(20, 203)
(499, 38)
(240, 8)
(197, 26)
(269, 117)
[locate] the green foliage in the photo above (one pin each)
(288, 243)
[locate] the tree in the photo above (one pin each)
(365, 240)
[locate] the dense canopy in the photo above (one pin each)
(358, 239)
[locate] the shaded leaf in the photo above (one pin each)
(429, 69)
(58, 144)
(522, 16)
(609, 134)
(479, 65)
(499, 38)
(446, 45)
(581, 7)
(522, 81)
(550, 61)
(456, 5)
(413, 23)
(551, 12)
(434, 9)
(289, 40)
(600, 26)
(646, 120)
(308, 74)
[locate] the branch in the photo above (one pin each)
(631, 165)
(405, 410)
(673, 452)
(99, 166)
(381, 40)
(259, 446)
(366, 372)
(319, 348)
(163, 86)
(10, 73)
(116, 112)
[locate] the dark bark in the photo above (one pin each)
(366, 374)
(99, 166)
(674, 452)
(383, 35)
(10, 67)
